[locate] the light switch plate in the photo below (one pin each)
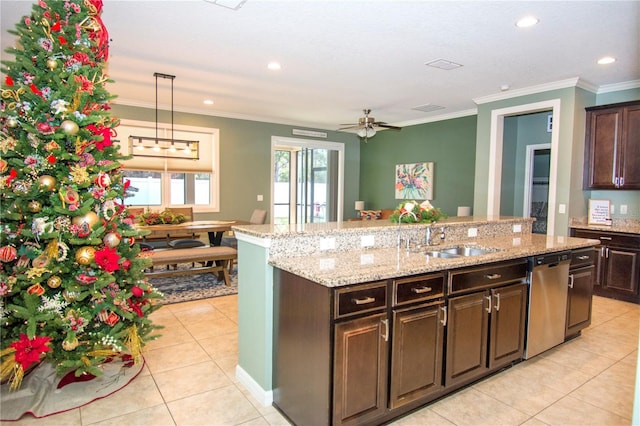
(517, 228)
(260, 197)
(562, 208)
(623, 209)
(472, 232)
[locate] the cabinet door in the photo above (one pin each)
(360, 370)
(416, 353)
(603, 134)
(621, 271)
(467, 332)
(579, 299)
(630, 152)
(506, 337)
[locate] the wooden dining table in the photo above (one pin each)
(215, 228)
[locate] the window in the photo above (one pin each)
(168, 182)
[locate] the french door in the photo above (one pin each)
(306, 183)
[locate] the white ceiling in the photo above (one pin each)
(339, 57)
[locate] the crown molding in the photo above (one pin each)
(562, 84)
(626, 85)
(439, 117)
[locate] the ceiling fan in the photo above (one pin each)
(366, 127)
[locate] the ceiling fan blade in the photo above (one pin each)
(349, 127)
(387, 126)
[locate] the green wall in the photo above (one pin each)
(450, 144)
(245, 150)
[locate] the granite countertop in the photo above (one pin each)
(625, 226)
(364, 265)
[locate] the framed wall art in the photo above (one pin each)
(414, 181)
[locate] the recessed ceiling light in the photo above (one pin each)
(606, 60)
(208, 102)
(274, 66)
(527, 21)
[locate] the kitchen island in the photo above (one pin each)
(338, 255)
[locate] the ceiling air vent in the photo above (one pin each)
(443, 64)
(427, 107)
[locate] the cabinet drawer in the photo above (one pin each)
(583, 257)
(425, 287)
(609, 238)
(360, 299)
(487, 276)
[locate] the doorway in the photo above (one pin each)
(495, 155)
(536, 194)
(306, 180)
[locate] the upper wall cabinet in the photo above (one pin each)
(612, 152)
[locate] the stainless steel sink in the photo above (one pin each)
(442, 254)
(461, 251)
(466, 251)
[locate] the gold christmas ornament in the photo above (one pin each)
(111, 239)
(54, 281)
(70, 296)
(90, 218)
(52, 64)
(70, 344)
(47, 182)
(34, 206)
(70, 196)
(69, 127)
(85, 255)
(12, 122)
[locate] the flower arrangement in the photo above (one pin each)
(161, 218)
(412, 212)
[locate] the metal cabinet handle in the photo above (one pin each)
(606, 252)
(420, 290)
(364, 301)
(622, 181)
(616, 182)
(606, 238)
(488, 300)
(443, 321)
(585, 257)
(385, 335)
(493, 276)
(570, 280)
(497, 304)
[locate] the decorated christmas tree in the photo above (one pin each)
(72, 288)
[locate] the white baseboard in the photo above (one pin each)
(262, 396)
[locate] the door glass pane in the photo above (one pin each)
(281, 187)
(145, 189)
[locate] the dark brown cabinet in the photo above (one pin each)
(360, 370)
(612, 151)
(486, 327)
(579, 297)
(360, 354)
(617, 264)
(419, 318)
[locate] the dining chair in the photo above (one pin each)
(193, 241)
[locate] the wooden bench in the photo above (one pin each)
(217, 259)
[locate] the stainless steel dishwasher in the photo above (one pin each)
(548, 287)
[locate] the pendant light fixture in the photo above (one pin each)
(145, 146)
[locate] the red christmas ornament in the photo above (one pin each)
(103, 180)
(8, 254)
(36, 289)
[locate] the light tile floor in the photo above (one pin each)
(189, 379)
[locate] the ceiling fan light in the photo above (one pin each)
(366, 132)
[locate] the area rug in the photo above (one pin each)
(44, 393)
(184, 288)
